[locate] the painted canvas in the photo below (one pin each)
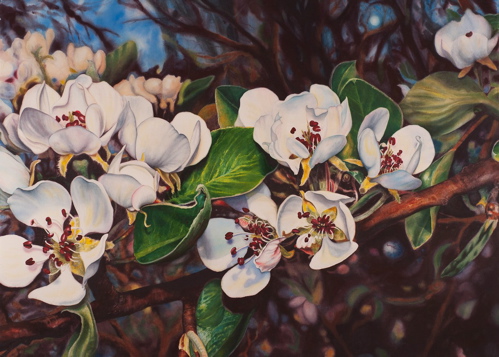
(249, 178)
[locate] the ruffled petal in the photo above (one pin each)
(270, 256)
(63, 291)
(92, 205)
(162, 146)
(369, 153)
(398, 180)
(377, 121)
(215, 250)
(32, 205)
(287, 217)
(327, 148)
(244, 280)
(254, 104)
(332, 253)
(13, 173)
(74, 140)
(14, 272)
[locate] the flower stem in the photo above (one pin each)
(364, 199)
(373, 209)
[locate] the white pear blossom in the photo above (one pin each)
(305, 129)
(324, 225)
(409, 151)
(82, 120)
(466, 41)
(227, 242)
(132, 184)
(169, 147)
(67, 249)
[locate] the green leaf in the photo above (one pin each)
(493, 20)
(84, 342)
(363, 98)
(167, 231)
(227, 100)
(442, 102)
(495, 151)
(342, 73)
(420, 226)
(120, 62)
(235, 165)
(472, 249)
(453, 15)
(220, 330)
(191, 90)
(437, 257)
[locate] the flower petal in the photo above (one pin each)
(36, 128)
(91, 258)
(74, 140)
(92, 205)
(142, 172)
(144, 195)
(37, 202)
(262, 133)
(198, 134)
(63, 291)
(325, 96)
(270, 256)
(254, 104)
(94, 120)
(327, 148)
(120, 188)
(14, 272)
(332, 253)
(13, 173)
(398, 180)
(40, 97)
(162, 145)
(297, 148)
(244, 280)
(11, 124)
(377, 121)
(215, 250)
(369, 152)
(287, 217)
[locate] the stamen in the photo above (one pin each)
(30, 261)
(233, 251)
(229, 235)
(240, 261)
(49, 220)
(27, 244)
(64, 213)
(45, 271)
(245, 210)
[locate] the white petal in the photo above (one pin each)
(110, 102)
(140, 107)
(40, 97)
(325, 96)
(369, 152)
(13, 173)
(127, 130)
(37, 202)
(327, 148)
(63, 291)
(114, 166)
(120, 188)
(244, 280)
(142, 172)
(91, 259)
(398, 180)
(94, 120)
(297, 148)
(162, 145)
(377, 120)
(262, 132)
(215, 250)
(254, 104)
(144, 195)
(92, 205)
(14, 273)
(408, 139)
(287, 217)
(270, 256)
(37, 127)
(332, 253)
(11, 124)
(260, 203)
(74, 140)
(196, 131)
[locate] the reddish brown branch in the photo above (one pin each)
(471, 178)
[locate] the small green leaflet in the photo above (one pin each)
(120, 62)
(342, 73)
(227, 101)
(472, 249)
(220, 330)
(191, 91)
(495, 151)
(167, 231)
(84, 342)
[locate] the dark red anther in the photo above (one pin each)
(32, 223)
(30, 261)
(58, 262)
(306, 239)
(57, 119)
(306, 215)
(27, 244)
(293, 130)
(50, 235)
(45, 249)
(240, 261)
(65, 117)
(313, 123)
(45, 271)
(295, 230)
(67, 256)
(300, 215)
(469, 34)
(79, 237)
(229, 235)
(233, 251)
(64, 213)
(236, 221)
(52, 256)
(245, 210)
(48, 220)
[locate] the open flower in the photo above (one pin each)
(67, 248)
(89, 112)
(249, 244)
(132, 184)
(324, 225)
(169, 147)
(305, 129)
(466, 42)
(409, 151)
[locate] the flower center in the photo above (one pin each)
(74, 118)
(323, 225)
(310, 138)
(390, 160)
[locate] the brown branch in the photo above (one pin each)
(471, 178)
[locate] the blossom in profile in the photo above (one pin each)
(304, 130)
(67, 251)
(467, 41)
(408, 151)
